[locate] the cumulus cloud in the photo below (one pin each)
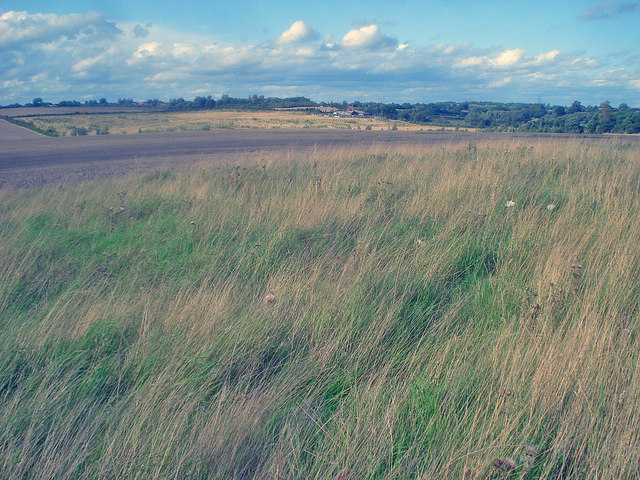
(470, 62)
(80, 55)
(147, 49)
(299, 31)
(21, 27)
(610, 9)
(368, 37)
(547, 57)
(507, 58)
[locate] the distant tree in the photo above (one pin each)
(575, 107)
(606, 123)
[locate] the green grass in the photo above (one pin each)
(403, 341)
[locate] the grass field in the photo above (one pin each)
(128, 123)
(436, 312)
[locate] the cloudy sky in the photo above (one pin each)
(368, 50)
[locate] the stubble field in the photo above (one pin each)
(154, 122)
(454, 310)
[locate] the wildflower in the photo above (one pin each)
(551, 206)
(510, 204)
(577, 270)
(270, 298)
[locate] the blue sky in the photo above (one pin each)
(379, 50)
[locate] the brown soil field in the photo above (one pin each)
(9, 131)
(27, 158)
(42, 111)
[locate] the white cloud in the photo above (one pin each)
(78, 55)
(507, 58)
(147, 49)
(368, 37)
(89, 62)
(22, 27)
(182, 49)
(299, 31)
(470, 62)
(547, 57)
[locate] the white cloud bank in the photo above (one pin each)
(87, 56)
(298, 32)
(368, 37)
(20, 27)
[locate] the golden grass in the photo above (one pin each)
(399, 341)
(120, 123)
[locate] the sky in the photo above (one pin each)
(367, 50)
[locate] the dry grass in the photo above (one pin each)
(355, 315)
(121, 123)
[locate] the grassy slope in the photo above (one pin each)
(132, 123)
(403, 341)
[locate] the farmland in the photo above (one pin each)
(455, 309)
(154, 122)
(27, 158)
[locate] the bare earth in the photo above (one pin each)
(27, 158)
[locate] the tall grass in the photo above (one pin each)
(417, 327)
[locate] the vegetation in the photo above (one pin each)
(459, 312)
(515, 116)
(492, 116)
(163, 121)
(253, 102)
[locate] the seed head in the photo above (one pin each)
(531, 451)
(534, 311)
(505, 464)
